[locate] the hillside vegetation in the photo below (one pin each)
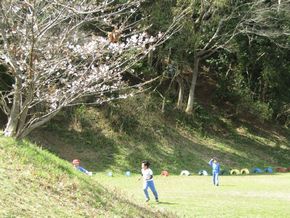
(119, 135)
(36, 183)
(205, 79)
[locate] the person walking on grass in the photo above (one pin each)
(215, 170)
(147, 175)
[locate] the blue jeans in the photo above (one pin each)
(149, 184)
(215, 178)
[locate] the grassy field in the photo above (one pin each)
(194, 196)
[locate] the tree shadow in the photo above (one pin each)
(118, 138)
(90, 145)
(254, 144)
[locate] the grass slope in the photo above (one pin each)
(118, 136)
(36, 183)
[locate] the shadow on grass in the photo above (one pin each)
(91, 146)
(167, 140)
(167, 203)
(259, 152)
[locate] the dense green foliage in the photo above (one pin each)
(250, 68)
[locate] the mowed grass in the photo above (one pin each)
(195, 196)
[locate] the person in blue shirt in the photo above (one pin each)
(76, 163)
(215, 170)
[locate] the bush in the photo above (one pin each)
(261, 110)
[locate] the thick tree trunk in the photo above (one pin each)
(190, 101)
(24, 111)
(18, 126)
(180, 93)
(11, 126)
(13, 119)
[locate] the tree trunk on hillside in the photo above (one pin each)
(180, 92)
(163, 105)
(190, 101)
(20, 123)
(11, 126)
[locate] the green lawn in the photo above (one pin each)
(194, 196)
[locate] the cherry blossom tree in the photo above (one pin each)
(60, 52)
